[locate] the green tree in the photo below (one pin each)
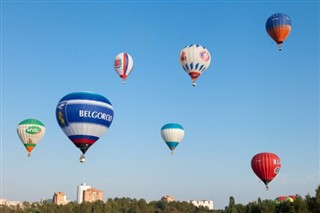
(160, 206)
(144, 207)
(285, 207)
(232, 206)
(252, 207)
(240, 208)
(300, 205)
(267, 206)
(317, 200)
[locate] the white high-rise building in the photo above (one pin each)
(80, 190)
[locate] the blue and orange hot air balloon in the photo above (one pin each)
(84, 117)
(278, 27)
(123, 65)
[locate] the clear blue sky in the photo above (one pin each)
(253, 98)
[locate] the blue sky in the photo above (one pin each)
(253, 98)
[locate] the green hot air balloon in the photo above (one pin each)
(30, 132)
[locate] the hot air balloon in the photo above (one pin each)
(172, 134)
(278, 27)
(84, 117)
(30, 132)
(194, 59)
(281, 199)
(266, 166)
(123, 65)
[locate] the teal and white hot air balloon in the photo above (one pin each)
(172, 134)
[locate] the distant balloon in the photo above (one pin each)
(172, 134)
(278, 27)
(30, 132)
(266, 166)
(194, 59)
(123, 65)
(281, 199)
(84, 117)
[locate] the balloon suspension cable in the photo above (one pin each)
(122, 82)
(279, 47)
(172, 153)
(29, 154)
(267, 188)
(194, 83)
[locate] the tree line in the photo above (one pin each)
(308, 204)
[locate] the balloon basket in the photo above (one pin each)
(82, 159)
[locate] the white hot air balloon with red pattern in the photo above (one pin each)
(194, 59)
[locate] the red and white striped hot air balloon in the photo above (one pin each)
(123, 65)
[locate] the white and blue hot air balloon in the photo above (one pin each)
(172, 134)
(84, 117)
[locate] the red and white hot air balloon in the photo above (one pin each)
(194, 59)
(123, 65)
(266, 166)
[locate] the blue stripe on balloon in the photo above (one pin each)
(90, 137)
(73, 115)
(197, 65)
(172, 126)
(85, 96)
(172, 145)
(200, 69)
(191, 66)
(187, 67)
(127, 63)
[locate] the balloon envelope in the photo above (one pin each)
(278, 27)
(30, 132)
(281, 199)
(194, 59)
(266, 166)
(172, 134)
(123, 65)
(84, 117)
